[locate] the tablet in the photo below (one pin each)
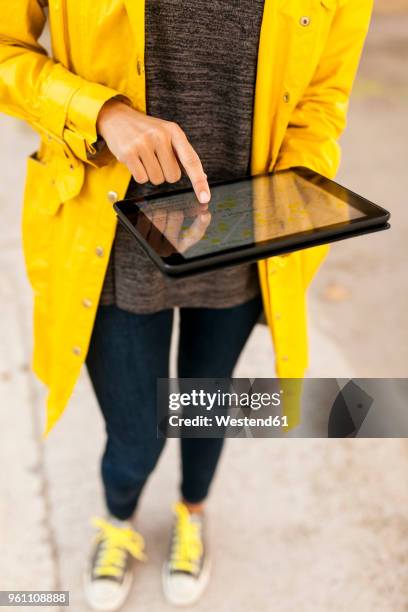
(246, 220)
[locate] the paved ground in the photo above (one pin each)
(311, 525)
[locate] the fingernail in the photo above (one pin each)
(204, 197)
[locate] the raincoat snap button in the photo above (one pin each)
(285, 358)
(304, 21)
(76, 350)
(286, 97)
(112, 196)
(99, 251)
(87, 303)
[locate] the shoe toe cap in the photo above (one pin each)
(104, 594)
(181, 588)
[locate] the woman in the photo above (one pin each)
(136, 98)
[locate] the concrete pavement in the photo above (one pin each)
(311, 525)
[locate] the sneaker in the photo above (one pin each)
(187, 570)
(110, 573)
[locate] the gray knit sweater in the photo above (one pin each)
(200, 66)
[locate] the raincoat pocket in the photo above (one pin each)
(41, 205)
(41, 185)
(60, 172)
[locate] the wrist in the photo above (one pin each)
(110, 109)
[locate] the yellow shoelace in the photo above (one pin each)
(117, 541)
(187, 545)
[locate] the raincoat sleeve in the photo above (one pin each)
(42, 92)
(311, 139)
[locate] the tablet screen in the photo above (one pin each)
(250, 211)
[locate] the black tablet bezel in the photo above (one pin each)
(177, 265)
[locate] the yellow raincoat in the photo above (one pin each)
(308, 55)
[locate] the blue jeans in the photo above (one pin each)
(128, 352)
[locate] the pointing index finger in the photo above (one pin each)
(192, 165)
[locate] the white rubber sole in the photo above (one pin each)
(201, 585)
(113, 605)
